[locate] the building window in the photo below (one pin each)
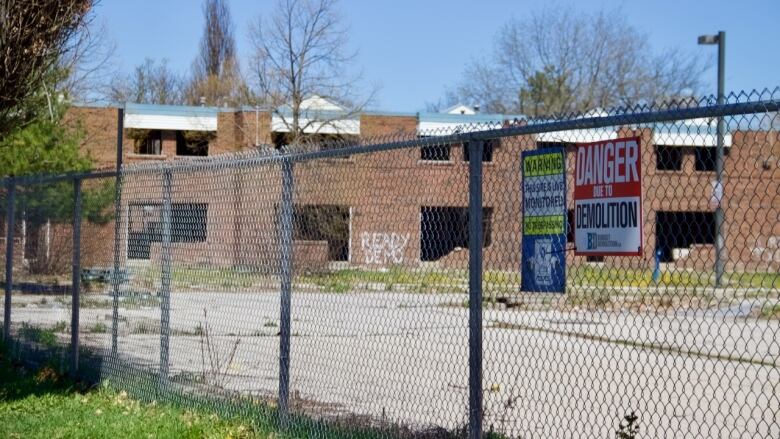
(706, 156)
(680, 230)
(188, 225)
(435, 153)
(487, 150)
(193, 143)
(188, 222)
(668, 158)
(443, 229)
(321, 141)
(147, 142)
(324, 223)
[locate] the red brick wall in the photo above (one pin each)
(99, 126)
(386, 191)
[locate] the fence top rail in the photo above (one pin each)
(469, 134)
(54, 178)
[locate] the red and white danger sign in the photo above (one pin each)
(608, 198)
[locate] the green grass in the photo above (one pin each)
(42, 404)
(770, 311)
(342, 281)
(506, 281)
(428, 279)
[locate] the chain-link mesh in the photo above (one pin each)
(3, 246)
(328, 288)
(42, 258)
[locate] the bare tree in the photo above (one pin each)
(218, 45)
(150, 83)
(35, 35)
(560, 61)
(216, 74)
(299, 54)
(88, 65)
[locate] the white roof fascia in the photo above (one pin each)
(171, 122)
(577, 136)
(447, 128)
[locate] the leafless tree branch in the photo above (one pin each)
(299, 53)
(35, 35)
(560, 61)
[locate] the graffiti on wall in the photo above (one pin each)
(384, 248)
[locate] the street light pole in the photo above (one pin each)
(720, 40)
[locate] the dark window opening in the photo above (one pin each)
(193, 143)
(150, 144)
(435, 153)
(324, 223)
(322, 141)
(188, 224)
(682, 230)
(443, 229)
(33, 235)
(706, 156)
(487, 150)
(668, 158)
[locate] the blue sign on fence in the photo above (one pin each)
(544, 220)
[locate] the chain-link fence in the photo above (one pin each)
(375, 288)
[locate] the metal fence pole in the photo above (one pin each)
(286, 249)
(719, 239)
(76, 279)
(165, 281)
(475, 288)
(9, 256)
(117, 225)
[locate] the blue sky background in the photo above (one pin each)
(413, 50)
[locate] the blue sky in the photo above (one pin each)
(413, 50)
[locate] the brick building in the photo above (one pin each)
(408, 207)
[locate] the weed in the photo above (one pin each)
(214, 364)
(98, 328)
(628, 427)
(46, 337)
(60, 327)
(46, 375)
(770, 311)
(145, 327)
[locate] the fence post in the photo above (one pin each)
(165, 281)
(475, 288)
(286, 249)
(76, 279)
(719, 220)
(9, 255)
(117, 225)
